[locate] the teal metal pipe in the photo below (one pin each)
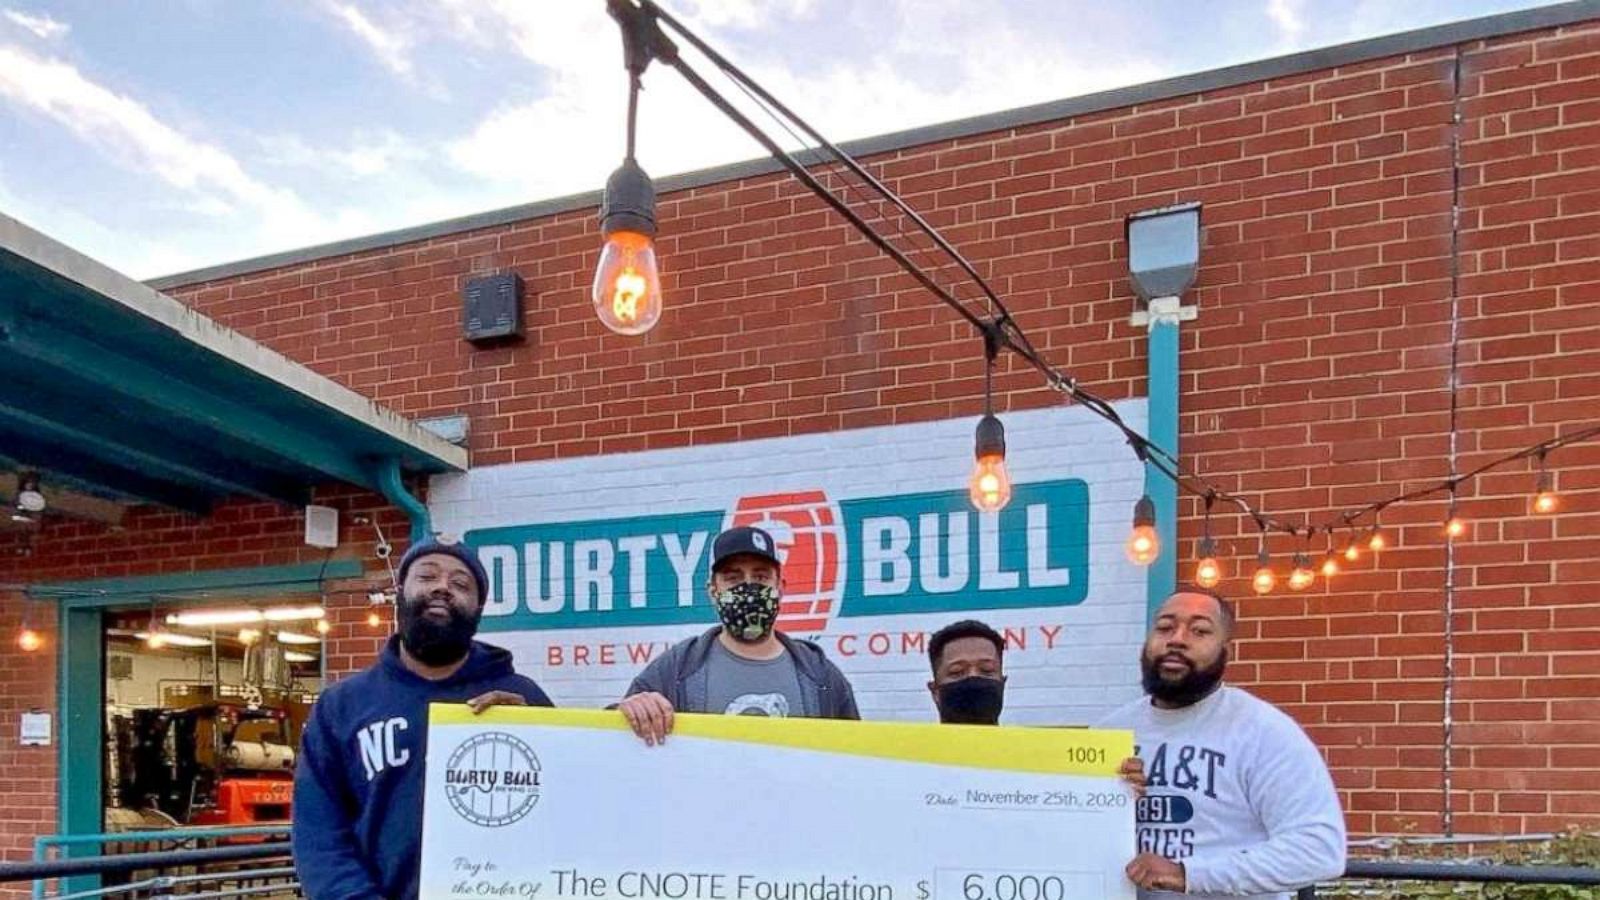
(389, 483)
(1162, 390)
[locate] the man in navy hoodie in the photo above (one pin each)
(359, 782)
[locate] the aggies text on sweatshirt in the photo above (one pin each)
(1237, 793)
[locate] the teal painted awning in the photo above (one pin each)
(114, 389)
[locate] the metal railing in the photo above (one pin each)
(165, 873)
(1477, 873)
(191, 863)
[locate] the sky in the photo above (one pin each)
(160, 136)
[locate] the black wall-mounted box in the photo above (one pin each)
(491, 307)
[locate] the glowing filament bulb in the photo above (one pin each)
(627, 284)
(1301, 576)
(990, 485)
(1263, 581)
(1143, 544)
(1545, 501)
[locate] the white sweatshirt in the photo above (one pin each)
(1237, 793)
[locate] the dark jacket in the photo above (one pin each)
(680, 676)
(358, 783)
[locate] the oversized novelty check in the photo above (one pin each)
(570, 805)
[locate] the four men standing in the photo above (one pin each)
(1239, 802)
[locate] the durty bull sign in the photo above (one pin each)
(598, 564)
(894, 555)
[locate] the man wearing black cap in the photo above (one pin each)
(743, 666)
(359, 782)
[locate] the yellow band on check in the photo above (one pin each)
(1063, 751)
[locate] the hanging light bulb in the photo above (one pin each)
(1376, 542)
(323, 627)
(1263, 581)
(627, 282)
(990, 485)
(1545, 499)
(29, 640)
(1143, 544)
(249, 635)
(1208, 572)
(1455, 527)
(1330, 560)
(1301, 576)
(373, 619)
(1546, 502)
(1352, 551)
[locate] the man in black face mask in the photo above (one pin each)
(968, 686)
(359, 779)
(744, 666)
(969, 683)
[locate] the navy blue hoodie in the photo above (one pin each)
(358, 783)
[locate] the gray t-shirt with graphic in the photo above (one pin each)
(751, 687)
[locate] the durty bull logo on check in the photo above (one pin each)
(913, 553)
(493, 779)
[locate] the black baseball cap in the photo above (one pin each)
(743, 539)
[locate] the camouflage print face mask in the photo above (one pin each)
(748, 610)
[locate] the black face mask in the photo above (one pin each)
(974, 700)
(748, 610)
(435, 643)
(1194, 686)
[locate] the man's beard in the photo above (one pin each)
(1195, 685)
(435, 643)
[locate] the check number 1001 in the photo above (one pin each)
(954, 884)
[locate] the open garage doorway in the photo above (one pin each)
(204, 708)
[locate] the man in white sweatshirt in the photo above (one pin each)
(1239, 802)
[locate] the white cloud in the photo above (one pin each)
(571, 137)
(124, 128)
(367, 156)
(211, 181)
(141, 254)
(1287, 16)
(744, 14)
(392, 46)
(42, 26)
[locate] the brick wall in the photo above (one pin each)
(27, 774)
(1317, 376)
